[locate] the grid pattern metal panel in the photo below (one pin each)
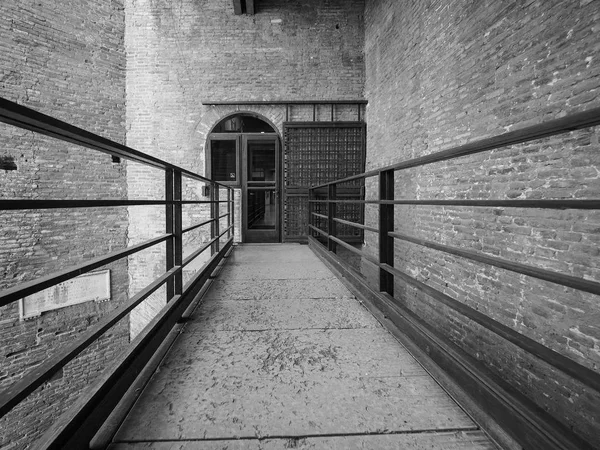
(320, 154)
(315, 153)
(295, 216)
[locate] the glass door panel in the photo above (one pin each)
(261, 209)
(224, 160)
(261, 162)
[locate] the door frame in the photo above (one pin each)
(243, 150)
(242, 175)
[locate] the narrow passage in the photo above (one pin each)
(281, 355)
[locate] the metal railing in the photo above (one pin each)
(75, 429)
(324, 219)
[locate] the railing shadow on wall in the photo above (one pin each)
(504, 405)
(78, 425)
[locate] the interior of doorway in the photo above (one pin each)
(244, 151)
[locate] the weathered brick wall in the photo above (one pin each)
(65, 59)
(442, 73)
(181, 53)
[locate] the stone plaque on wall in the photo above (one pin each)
(84, 288)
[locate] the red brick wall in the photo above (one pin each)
(65, 59)
(181, 53)
(442, 73)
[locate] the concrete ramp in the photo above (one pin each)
(281, 355)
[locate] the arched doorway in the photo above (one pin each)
(243, 150)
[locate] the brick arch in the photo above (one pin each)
(260, 112)
(248, 113)
(274, 115)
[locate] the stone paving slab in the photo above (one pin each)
(276, 271)
(273, 253)
(461, 440)
(290, 354)
(188, 407)
(264, 289)
(267, 314)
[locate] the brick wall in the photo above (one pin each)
(442, 73)
(65, 59)
(181, 53)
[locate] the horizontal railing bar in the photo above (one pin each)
(530, 204)
(16, 393)
(353, 190)
(523, 269)
(23, 117)
(194, 176)
(371, 173)
(572, 122)
(322, 216)
(284, 102)
(10, 295)
(345, 244)
(355, 250)
(356, 225)
(198, 225)
(224, 215)
(13, 205)
(230, 227)
(195, 202)
(318, 230)
(358, 202)
(566, 365)
(541, 204)
(197, 253)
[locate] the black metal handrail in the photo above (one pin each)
(325, 194)
(19, 205)
(179, 296)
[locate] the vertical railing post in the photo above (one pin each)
(229, 233)
(232, 212)
(177, 231)
(311, 218)
(215, 212)
(386, 225)
(331, 213)
(169, 228)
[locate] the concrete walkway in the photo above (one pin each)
(281, 355)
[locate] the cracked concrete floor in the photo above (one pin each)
(281, 355)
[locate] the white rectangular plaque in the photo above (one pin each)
(84, 288)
